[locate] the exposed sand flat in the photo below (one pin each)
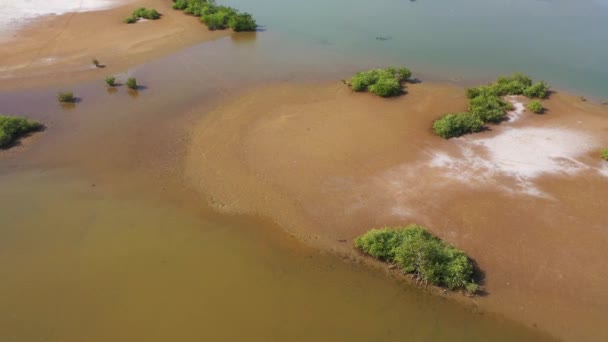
(328, 164)
(15, 14)
(58, 49)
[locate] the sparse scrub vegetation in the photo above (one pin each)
(536, 106)
(382, 82)
(66, 97)
(132, 83)
(110, 81)
(604, 154)
(487, 106)
(418, 252)
(217, 17)
(12, 128)
(142, 12)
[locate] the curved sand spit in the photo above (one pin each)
(328, 164)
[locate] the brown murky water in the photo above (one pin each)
(81, 262)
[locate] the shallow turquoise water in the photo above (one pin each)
(562, 41)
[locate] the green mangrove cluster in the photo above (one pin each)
(142, 12)
(604, 154)
(382, 82)
(418, 252)
(217, 17)
(487, 106)
(11, 128)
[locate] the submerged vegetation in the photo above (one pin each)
(11, 128)
(419, 253)
(217, 17)
(382, 82)
(142, 12)
(487, 106)
(66, 97)
(604, 154)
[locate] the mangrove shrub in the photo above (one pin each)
(110, 81)
(604, 154)
(11, 128)
(217, 17)
(535, 106)
(457, 124)
(66, 97)
(132, 83)
(142, 12)
(382, 82)
(486, 104)
(420, 253)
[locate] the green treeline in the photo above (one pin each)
(419, 253)
(11, 128)
(487, 106)
(217, 17)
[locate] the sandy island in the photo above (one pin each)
(527, 199)
(65, 45)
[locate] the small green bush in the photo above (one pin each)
(96, 63)
(11, 128)
(66, 97)
(418, 252)
(110, 81)
(142, 12)
(604, 154)
(132, 83)
(457, 124)
(382, 82)
(536, 106)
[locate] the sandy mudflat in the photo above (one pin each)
(58, 49)
(526, 199)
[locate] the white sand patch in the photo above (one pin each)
(16, 13)
(522, 154)
(518, 108)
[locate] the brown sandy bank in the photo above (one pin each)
(59, 49)
(527, 199)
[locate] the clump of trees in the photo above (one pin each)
(604, 154)
(536, 106)
(486, 104)
(66, 97)
(217, 17)
(382, 82)
(12, 128)
(417, 252)
(142, 12)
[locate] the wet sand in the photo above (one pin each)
(525, 199)
(58, 50)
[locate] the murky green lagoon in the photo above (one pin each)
(562, 41)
